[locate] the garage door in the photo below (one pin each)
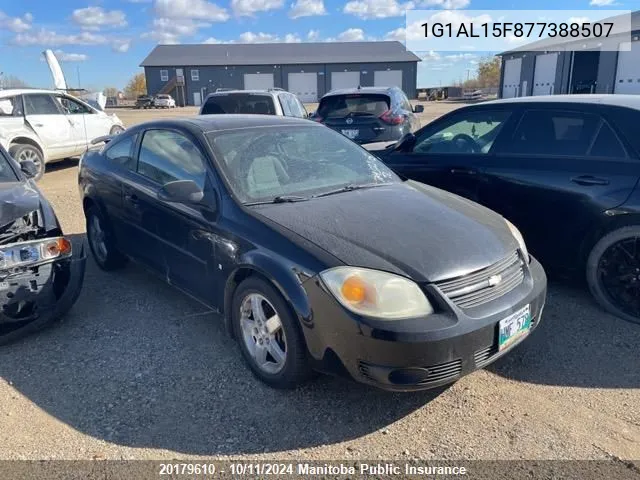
(544, 76)
(304, 86)
(258, 81)
(344, 80)
(387, 78)
(511, 82)
(628, 74)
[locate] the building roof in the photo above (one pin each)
(277, 54)
(550, 43)
(616, 100)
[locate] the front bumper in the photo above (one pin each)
(33, 297)
(415, 354)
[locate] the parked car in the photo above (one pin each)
(45, 126)
(41, 271)
(144, 101)
(164, 101)
(368, 114)
(275, 222)
(564, 169)
(263, 102)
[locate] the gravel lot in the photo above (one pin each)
(139, 371)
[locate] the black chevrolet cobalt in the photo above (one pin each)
(318, 256)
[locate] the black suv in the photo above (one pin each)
(368, 114)
(144, 101)
(274, 101)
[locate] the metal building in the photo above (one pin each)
(190, 72)
(555, 70)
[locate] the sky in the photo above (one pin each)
(101, 43)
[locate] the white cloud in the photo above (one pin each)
(349, 35)
(291, 38)
(250, 37)
(95, 18)
(313, 35)
(49, 38)
(121, 46)
(579, 20)
(368, 9)
(602, 3)
(307, 8)
(460, 56)
(430, 56)
(15, 24)
(399, 34)
(170, 30)
(446, 4)
(248, 8)
(191, 9)
(70, 57)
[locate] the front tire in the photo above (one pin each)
(23, 152)
(269, 335)
(613, 272)
(101, 241)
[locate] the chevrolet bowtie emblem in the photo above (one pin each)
(495, 280)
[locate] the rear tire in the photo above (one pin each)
(23, 151)
(275, 328)
(101, 241)
(613, 272)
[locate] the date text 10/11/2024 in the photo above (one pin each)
(518, 30)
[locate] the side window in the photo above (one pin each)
(468, 132)
(164, 75)
(406, 104)
(166, 156)
(40, 104)
(284, 103)
(607, 144)
(11, 106)
(71, 106)
(195, 75)
(121, 152)
(297, 107)
(548, 132)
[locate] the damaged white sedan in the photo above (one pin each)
(45, 126)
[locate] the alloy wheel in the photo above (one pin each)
(97, 238)
(619, 274)
(30, 154)
(262, 333)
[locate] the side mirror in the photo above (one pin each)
(406, 143)
(181, 191)
(418, 109)
(29, 168)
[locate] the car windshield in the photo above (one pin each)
(338, 106)
(239, 103)
(268, 162)
(6, 172)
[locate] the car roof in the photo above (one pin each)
(348, 91)
(10, 92)
(617, 100)
(227, 121)
(227, 92)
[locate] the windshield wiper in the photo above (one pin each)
(280, 199)
(350, 188)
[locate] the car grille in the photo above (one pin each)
(477, 288)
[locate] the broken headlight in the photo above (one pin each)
(34, 252)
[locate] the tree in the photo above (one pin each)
(136, 86)
(11, 81)
(110, 92)
(489, 72)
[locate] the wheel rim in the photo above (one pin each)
(97, 238)
(619, 274)
(30, 154)
(262, 333)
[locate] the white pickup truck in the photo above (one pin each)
(45, 125)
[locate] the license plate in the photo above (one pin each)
(4, 286)
(351, 133)
(514, 327)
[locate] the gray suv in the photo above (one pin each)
(275, 101)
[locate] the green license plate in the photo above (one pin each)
(514, 327)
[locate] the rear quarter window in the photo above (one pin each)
(239, 103)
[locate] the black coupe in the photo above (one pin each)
(318, 255)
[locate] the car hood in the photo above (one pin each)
(407, 228)
(17, 200)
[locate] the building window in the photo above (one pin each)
(195, 75)
(164, 75)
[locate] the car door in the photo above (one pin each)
(87, 124)
(448, 152)
(47, 119)
(554, 176)
(175, 238)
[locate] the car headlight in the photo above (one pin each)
(34, 252)
(518, 236)
(376, 294)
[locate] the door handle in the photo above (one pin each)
(132, 198)
(589, 180)
(463, 171)
(38, 125)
